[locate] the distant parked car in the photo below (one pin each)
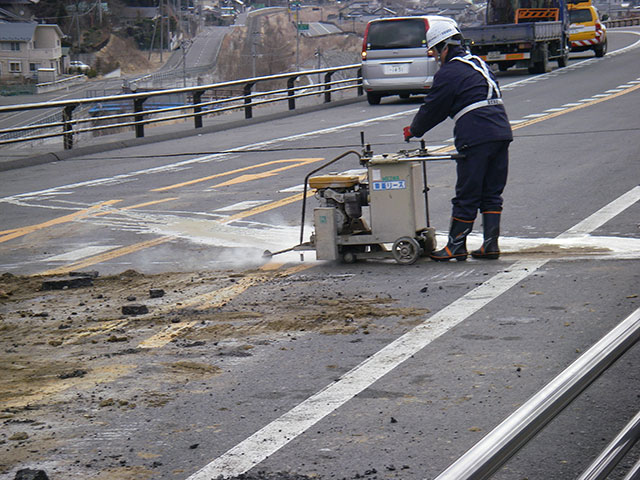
(78, 65)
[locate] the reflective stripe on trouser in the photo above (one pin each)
(482, 176)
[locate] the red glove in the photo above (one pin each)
(407, 133)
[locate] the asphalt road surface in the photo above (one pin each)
(326, 370)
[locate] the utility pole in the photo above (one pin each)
(297, 7)
(254, 36)
(161, 28)
(184, 45)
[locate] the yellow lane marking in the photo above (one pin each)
(93, 211)
(160, 339)
(266, 207)
(223, 174)
(106, 256)
(53, 386)
(19, 232)
(105, 327)
(139, 205)
(269, 173)
(555, 114)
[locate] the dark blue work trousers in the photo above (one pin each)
(482, 176)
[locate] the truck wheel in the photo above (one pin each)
(563, 59)
(542, 60)
(373, 98)
(601, 49)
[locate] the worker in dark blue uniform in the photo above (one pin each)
(465, 89)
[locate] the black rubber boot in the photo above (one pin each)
(457, 244)
(489, 249)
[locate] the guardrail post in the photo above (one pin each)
(67, 116)
(197, 98)
(291, 92)
(248, 112)
(327, 88)
(137, 107)
(360, 87)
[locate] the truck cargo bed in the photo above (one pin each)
(513, 32)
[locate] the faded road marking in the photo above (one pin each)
(103, 257)
(19, 232)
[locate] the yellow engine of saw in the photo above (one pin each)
(347, 195)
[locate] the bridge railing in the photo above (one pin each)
(622, 22)
(128, 110)
(488, 455)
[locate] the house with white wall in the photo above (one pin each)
(26, 47)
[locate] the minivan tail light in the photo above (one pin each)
(426, 29)
(364, 42)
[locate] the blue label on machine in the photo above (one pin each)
(394, 185)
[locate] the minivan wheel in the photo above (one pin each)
(373, 98)
(601, 49)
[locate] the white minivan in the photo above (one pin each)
(395, 57)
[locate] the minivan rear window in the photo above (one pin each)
(580, 16)
(409, 33)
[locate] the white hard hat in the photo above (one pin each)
(440, 31)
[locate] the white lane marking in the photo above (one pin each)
(242, 206)
(294, 189)
(607, 212)
(571, 104)
(559, 109)
(268, 440)
(536, 115)
(81, 253)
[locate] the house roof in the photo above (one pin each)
(22, 31)
(17, 31)
(142, 12)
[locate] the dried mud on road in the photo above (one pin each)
(71, 358)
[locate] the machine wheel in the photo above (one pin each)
(427, 241)
(348, 257)
(349, 253)
(406, 250)
(373, 98)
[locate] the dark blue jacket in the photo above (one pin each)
(455, 86)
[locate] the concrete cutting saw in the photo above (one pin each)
(379, 212)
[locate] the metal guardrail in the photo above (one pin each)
(492, 452)
(198, 105)
(622, 22)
